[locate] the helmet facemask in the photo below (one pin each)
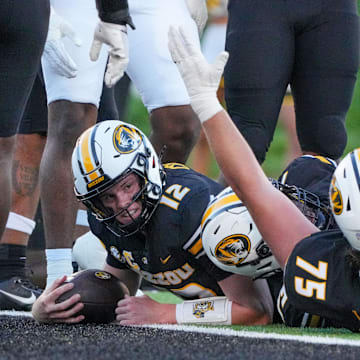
(309, 204)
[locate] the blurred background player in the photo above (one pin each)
(18, 32)
(316, 51)
(174, 124)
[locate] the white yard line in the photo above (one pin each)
(321, 339)
(15, 313)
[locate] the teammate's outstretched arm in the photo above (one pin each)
(281, 224)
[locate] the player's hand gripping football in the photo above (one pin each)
(140, 310)
(54, 50)
(201, 78)
(115, 36)
(46, 310)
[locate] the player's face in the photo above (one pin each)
(119, 199)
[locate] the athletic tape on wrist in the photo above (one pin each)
(213, 310)
(58, 264)
(205, 106)
(20, 223)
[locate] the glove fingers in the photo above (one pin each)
(59, 59)
(68, 31)
(221, 61)
(191, 49)
(115, 69)
(95, 49)
(176, 45)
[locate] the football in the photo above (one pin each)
(99, 290)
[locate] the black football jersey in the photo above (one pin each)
(320, 281)
(168, 251)
(312, 173)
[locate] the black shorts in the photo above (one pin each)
(35, 119)
(35, 116)
(311, 44)
(23, 31)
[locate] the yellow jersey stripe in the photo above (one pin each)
(196, 247)
(322, 159)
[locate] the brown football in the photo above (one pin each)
(99, 290)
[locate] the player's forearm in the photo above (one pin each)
(114, 11)
(242, 315)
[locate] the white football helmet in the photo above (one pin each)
(345, 197)
(232, 241)
(106, 153)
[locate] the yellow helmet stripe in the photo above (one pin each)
(89, 165)
(218, 204)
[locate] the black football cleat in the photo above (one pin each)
(18, 293)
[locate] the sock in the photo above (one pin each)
(58, 264)
(12, 261)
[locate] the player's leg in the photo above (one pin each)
(287, 118)
(67, 120)
(156, 77)
(18, 68)
(30, 142)
(325, 73)
(258, 69)
(72, 109)
(18, 32)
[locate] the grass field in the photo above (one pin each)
(169, 298)
(275, 160)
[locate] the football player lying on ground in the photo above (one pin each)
(322, 268)
(149, 221)
(148, 217)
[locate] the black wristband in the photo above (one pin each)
(114, 11)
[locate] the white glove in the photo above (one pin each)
(115, 36)
(198, 11)
(201, 78)
(54, 51)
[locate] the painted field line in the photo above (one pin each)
(321, 339)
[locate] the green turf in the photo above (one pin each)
(169, 298)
